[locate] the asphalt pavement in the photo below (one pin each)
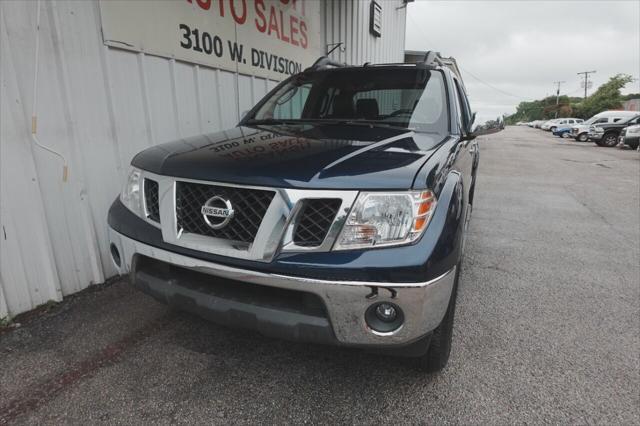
(547, 325)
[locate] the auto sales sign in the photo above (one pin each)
(267, 38)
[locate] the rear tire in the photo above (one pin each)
(553, 129)
(439, 350)
(583, 137)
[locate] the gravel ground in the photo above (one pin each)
(547, 327)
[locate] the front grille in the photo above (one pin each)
(249, 205)
(151, 199)
(314, 221)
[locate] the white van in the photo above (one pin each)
(581, 132)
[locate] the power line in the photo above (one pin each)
(491, 86)
(421, 30)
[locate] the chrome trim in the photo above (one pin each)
(143, 200)
(423, 303)
(226, 218)
(275, 233)
(348, 198)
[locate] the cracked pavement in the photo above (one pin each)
(547, 325)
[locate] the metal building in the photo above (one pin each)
(85, 85)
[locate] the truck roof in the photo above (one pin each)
(431, 59)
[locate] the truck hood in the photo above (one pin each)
(319, 156)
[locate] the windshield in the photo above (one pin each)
(630, 120)
(411, 98)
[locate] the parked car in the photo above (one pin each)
(562, 122)
(547, 124)
(606, 134)
(564, 132)
(630, 136)
(335, 212)
(580, 132)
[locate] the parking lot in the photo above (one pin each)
(547, 326)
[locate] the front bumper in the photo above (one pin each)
(595, 136)
(345, 302)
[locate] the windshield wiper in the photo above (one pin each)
(272, 121)
(368, 123)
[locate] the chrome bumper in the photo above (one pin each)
(424, 304)
(595, 136)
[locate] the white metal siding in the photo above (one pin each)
(99, 106)
(348, 22)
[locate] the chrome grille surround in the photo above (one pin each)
(275, 233)
(151, 199)
(314, 221)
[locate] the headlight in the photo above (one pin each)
(131, 195)
(386, 219)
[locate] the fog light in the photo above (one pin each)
(384, 317)
(115, 255)
(386, 312)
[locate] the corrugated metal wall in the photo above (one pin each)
(98, 106)
(349, 24)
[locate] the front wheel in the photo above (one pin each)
(439, 350)
(609, 140)
(583, 137)
(632, 145)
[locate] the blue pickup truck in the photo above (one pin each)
(335, 212)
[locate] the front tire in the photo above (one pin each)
(583, 137)
(609, 140)
(632, 145)
(439, 350)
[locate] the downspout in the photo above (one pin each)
(34, 104)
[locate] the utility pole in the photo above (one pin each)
(558, 95)
(586, 81)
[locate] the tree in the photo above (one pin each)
(606, 97)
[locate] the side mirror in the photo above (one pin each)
(484, 127)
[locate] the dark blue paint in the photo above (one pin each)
(318, 156)
(434, 254)
(330, 156)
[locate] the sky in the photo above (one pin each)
(521, 48)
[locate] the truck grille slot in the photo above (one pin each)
(249, 206)
(314, 221)
(151, 199)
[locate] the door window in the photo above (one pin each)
(465, 111)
